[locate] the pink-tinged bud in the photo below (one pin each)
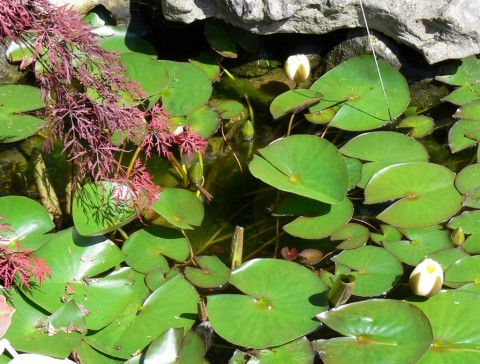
(427, 278)
(297, 67)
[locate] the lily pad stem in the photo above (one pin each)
(290, 124)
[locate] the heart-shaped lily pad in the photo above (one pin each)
(204, 121)
(123, 41)
(353, 236)
(293, 101)
(446, 257)
(101, 208)
(179, 207)
(146, 247)
(389, 233)
(463, 271)
(469, 221)
(468, 178)
(15, 100)
(381, 149)
(419, 125)
(426, 192)
(297, 351)
(24, 217)
(457, 135)
(376, 269)
(355, 85)
(375, 330)
(305, 165)
(213, 272)
(452, 314)
(280, 298)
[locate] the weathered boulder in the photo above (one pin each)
(439, 29)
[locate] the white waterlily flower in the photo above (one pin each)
(427, 278)
(297, 67)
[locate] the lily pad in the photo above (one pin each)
(179, 207)
(213, 272)
(469, 221)
(463, 271)
(207, 62)
(305, 165)
(33, 331)
(446, 257)
(457, 135)
(426, 192)
(15, 101)
(24, 217)
(375, 330)
(461, 72)
(117, 39)
(376, 269)
(389, 233)
(145, 248)
(353, 236)
(204, 121)
(464, 94)
(160, 275)
(293, 101)
(281, 298)
(219, 37)
(172, 346)
(297, 351)
(382, 149)
(419, 125)
(355, 85)
(188, 89)
(468, 178)
(455, 339)
(101, 208)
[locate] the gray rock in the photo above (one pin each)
(439, 29)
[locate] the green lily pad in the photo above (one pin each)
(160, 275)
(145, 248)
(468, 178)
(179, 207)
(229, 109)
(219, 37)
(172, 346)
(426, 192)
(305, 165)
(354, 167)
(25, 217)
(376, 269)
(375, 331)
(461, 72)
(464, 94)
(457, 139)
(97, 209)
(297, 351)
(355, 85)
(452, 314)
(463, 271)
(73, 258)
(87, 354)
(446, 257)
(204, 121)
(472, 244)
(123, 41)
(419, 125)
(353, 236)
(293, 101)
(382, 149)
(321, 116)
(15, 100)
(213, 273)
(188, 89)
(207, 62)
(389, 233)
(327, 219)
(33, 331)
(422, 242)
(469, 221)
(148, 72)
(174, 304)
(281, 298)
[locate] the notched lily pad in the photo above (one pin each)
(213, 273)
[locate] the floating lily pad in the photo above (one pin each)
(446, 257)
(87, 354)
(463, 271)
(172, 346)
(123, 41)
(457, 139)
(229, 109)
(145, 248)
(207, 62)
(469, 221)
(354, 167)
(204, 121)
(353, 236)
(376, 269)
(188, 89)
(219, 37)
(426, 192)
(293, 101)
(24, 217)
(468, 178)
(422, 242)
(326, 220)
(472, 244)
(297, 351)
(305, 165)
(464, 94)
(382, 149)
(389, 233)
(375, 330)
(174, 304)
(33, 331)
(101, 208)
(213, 272)
(419, 125)
(160, 275)
(179, 207)
(461, 72)
(455, 338)
(15, 100)
(280, 298)
(355, 85)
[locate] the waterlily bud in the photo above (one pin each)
(248, 131)
(458, 236)
(297, 68)
(195, 173)
(427, 278)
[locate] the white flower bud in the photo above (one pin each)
(297, 68)
(427, 278)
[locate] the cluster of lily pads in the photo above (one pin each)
(122, 292)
